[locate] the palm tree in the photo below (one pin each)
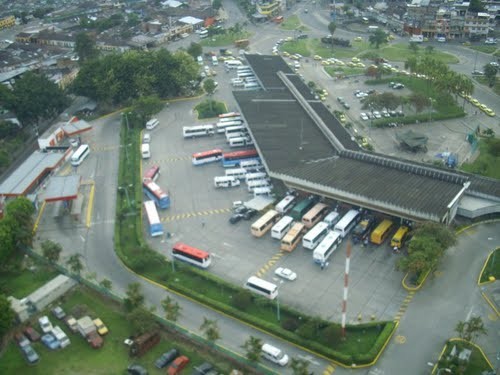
(210, 329)
(253, 348)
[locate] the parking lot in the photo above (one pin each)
(199, 216)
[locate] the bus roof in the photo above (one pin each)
(190, 249)
(206, 153)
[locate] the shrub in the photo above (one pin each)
(307, 330)
(290, 324)
(242, 300)
(333, 334)
(210, 108)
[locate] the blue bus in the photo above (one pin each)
(155, 226)
(154, 192)
(233, 159)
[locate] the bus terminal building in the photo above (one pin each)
(302, 144)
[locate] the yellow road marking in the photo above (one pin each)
(191, 214)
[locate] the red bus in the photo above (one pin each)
(152, 173)
(229, 114)
(191, 255)
(207, 156)
(233, 159)
(154, 192)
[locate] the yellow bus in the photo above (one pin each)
(399, 238)
(264, 223)
(314, 215)
(293, 237)
(381, 232)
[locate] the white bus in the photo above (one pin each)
(226, 181)
(232, 64)
(145, 151)
(238, 173)
(251, 86)
(240, 141)
(327, 247)
(332, 218)
(79, 155)
(242, 68)
(315, 235)
(255, 176)
(285, 204)
(279, 229)
(197, 131)
(153, 123)
(348, 221)
(236, 129)
(222, 126)
(262, 287)
(258, 184)
(229, 119)
(252, 165)
(235, 135)
(245, 75)
(262, 192)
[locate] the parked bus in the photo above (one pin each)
(205, 157)
(262, 287)
(347, 223)
(314, 215)
(245, 74)
(252, 165)
(222, 126)
(252, 185)
(293, 237)
(326, 247)
(381, 232)
(155, 226)
(226, 181)
(154, 192)
(255, 176)
(262, 191)
(152, 173)
(238, 129)
(203, 34)
(238, 173)
(231, 136)
(197, 131)
(279, 229)
(264, 223)
(234, 158)
(285, 204)
(232, 64)
(331, 219)
(302, 207)
(229, 114)
(251, 86)
(79, 155)
(240, 141)
(242, 68)
(315, 235)
(191, 255)
(230, 119)
(399, 237)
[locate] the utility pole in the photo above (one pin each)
(346, 287)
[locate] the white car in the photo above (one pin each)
(285, 273)
(361, 94)
(364, 116)
(377, 114)
(45, 324)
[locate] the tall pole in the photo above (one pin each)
(346, 287)
(278, 316)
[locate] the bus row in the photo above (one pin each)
(152, 190)
(248, 159)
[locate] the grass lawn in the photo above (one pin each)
(25, 282)
(484, 49)
(492, 267)
(334, 70)
(401, 52)
(292, 23)
(486, 164)
(482, 80)
(477, 363)
(221, 40)
(112, 358)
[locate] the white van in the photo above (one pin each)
(226, 181)
(232, 64)
(331, 219)
(200, 60)
(274, 354)
(262, 192)
(146, 138)
(153, 123)
(61, 336)
(215, 62)
(145, 151)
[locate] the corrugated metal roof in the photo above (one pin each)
(61, 188)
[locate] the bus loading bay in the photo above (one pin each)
(199, 213)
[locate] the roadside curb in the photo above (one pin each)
(484, 267)
(414, 288)
(457, 339)
(39, 217)
(492, 305)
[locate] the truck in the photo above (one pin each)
(143, 343)
(61, 336)
(417, 38)
(85, 326)
(242, 43)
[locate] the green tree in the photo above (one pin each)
(146, 106)
(419, 101)
(7, 315)
(85, 47)
(216, 4)
(7, 241)
(253, 348)
(141, 320)
(490, 72)
(429, 50)
(378, 38)
(209, 86)
(300, 366)
(416, 262)
(75, 264)
(36, 98)
(476, 6)
(332, 26)
(437, 232)
(106, 284)
(413, 46)
(171, 308)
(210, 329)
(20, 211)
(134, 298)
(195, 50)
(471, 329)
(133, 20)
(51, 250)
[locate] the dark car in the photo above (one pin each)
(22, 341)
(31, 333)
(240, 209)
(136, 370)
(235, 218)
(203, 369)
(166, 358)
(398, 86)
(249, 214)
(346, 106)
(303, 36)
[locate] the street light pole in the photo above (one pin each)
(430, 112)
(278, 316)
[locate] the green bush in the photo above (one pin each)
(210, 108)
(242, 300)
(290, 324)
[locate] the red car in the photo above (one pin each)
(177, 365)
(31, 333)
